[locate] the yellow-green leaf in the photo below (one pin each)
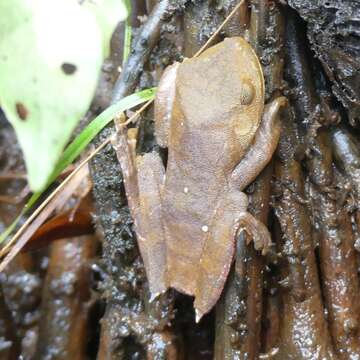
(51, 54)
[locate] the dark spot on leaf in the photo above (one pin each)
(22, 111)
(68, 68)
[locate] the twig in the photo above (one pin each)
(216, 32)
(144, 43)
(41, 214)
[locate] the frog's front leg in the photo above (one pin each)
(143, 177)
(261, 151)
(230, 218)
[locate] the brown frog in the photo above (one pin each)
(210, 114)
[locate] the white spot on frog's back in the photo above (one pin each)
(186, 190)
(205, 228)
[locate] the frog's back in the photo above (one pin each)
(218, 106)
(221, 91)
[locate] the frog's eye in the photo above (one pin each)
(247, 93)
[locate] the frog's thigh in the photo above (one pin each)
(164, 101)
(152, 242)
(219, 248)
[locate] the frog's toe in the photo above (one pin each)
(262, 238)
(258, 233)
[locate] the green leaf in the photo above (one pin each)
(51, 54)
(127, 33)
(108, 14)
(75, 148)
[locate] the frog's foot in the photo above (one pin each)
(230, 217)
(257, 232)
(149, 225)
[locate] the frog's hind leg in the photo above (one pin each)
(230, 217)
(143, 176)
(151, 175)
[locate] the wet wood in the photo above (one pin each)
(338, 258)
(270, 328)
(64, 325)
(332, 222)
(9, 341)
(138, 335)
(21, 289)
(140, 51)
(303, 329)
(333, 32)
(199, 22)
(346, 150)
